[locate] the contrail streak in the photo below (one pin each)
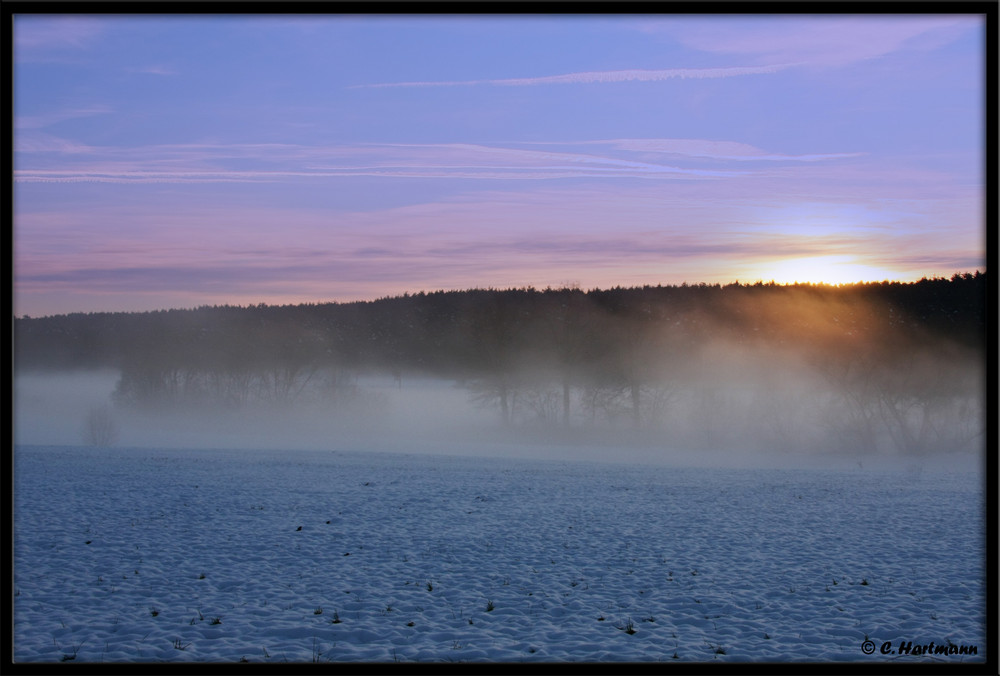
(600, 76)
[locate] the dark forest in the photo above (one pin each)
(874, 367)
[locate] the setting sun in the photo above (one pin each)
(825, 270)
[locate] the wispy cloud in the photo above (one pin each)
(229, 251)
(210, 163)
(634, 75)
(151, 70)
(708, 149)
(41, 142)
(36, 34)
(22, 122)
(817, 40)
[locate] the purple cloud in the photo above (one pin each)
(632, 75)
(815, 39)
(39, 161)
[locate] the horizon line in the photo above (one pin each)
(531, 288)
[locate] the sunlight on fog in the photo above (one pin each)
(735, 376)
(834, 269)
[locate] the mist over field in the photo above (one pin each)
(53, 408)
(416, 338)
(733, 376)
(513, 475)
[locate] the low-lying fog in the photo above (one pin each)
(792, 422)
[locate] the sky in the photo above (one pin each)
(177, 161)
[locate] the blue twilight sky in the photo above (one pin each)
(177, 161)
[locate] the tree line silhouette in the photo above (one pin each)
(872, 365)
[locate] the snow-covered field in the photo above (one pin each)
(142, 555)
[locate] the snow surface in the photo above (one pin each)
(149, 555)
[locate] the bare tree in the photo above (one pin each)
(100, 428)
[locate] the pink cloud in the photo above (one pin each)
(832, 40)
(212, 163)
(35, 34)
(632, 75)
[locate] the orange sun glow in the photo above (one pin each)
(823, 269)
